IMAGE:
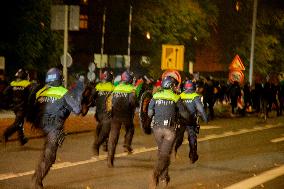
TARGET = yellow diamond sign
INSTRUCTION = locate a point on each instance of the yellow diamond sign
(172, 57)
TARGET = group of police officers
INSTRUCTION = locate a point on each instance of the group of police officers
(170, 111)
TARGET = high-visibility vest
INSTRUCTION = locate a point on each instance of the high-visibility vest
(166, 94)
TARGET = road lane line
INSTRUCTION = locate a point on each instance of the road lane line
(62, 165)
(277, 140)
(258, 180)
(205, 127)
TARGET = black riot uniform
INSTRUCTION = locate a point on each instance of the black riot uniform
(164, 108)
(192, 101)
(20, 91)
(122, 112)
(102, 90)
(54, 103)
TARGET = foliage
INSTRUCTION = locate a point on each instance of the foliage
(174, 22)
(235, 33)
(31, 44)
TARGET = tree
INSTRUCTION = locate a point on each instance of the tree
(28, 41)
(174, 22)
(234, 28)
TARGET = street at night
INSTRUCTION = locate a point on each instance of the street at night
(234, 153)
(152, 94)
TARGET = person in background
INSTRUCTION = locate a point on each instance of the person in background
(123, 104)
(193, 103)
(103, 89)
(19, 92)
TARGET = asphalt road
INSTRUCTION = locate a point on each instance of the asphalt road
(234, 153)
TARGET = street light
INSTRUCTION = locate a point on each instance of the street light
(148, 36)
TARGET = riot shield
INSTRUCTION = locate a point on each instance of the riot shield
(145, 121)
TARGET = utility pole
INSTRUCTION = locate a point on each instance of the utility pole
(102, 41)
(252, 41)
(65, 47)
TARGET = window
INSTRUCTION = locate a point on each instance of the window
(83, 21)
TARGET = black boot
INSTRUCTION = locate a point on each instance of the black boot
(127, 149)
(193, 156)
(110, 162)
(105, 146)
(153, 182)
(164, 182)
(36, 183)
(24, 141)
(96, 150)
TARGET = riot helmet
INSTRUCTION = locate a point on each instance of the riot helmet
(106, 76)
(127, 77)
(189, 86)
(53, 77)
(169, 82)
(22, 74)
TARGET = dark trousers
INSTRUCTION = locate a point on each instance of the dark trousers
(192, 138)
(48, 155)
(165, 138)
(116, 124)
(17, 126)
(102, 132)
(209, 107)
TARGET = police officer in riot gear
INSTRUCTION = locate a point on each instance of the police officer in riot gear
(54, 103)
(102, 90)
(123, 108)
(20, 91)
(192, 100)
(164, 108)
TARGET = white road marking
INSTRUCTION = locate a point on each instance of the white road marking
(205, 127)
(258, 180)
(62, 165)
(277, 140)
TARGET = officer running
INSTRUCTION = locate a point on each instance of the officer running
(163, 109)
(123, 105)
(192, 100)
(20, 91)
(102, 90)
(54, 104)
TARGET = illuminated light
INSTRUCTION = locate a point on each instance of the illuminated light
(237, 6)
(148, 36)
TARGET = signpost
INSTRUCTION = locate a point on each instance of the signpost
(172, 57)
(59, 21)
(236, 68)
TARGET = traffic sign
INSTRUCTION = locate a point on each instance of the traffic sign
(236, 75)
(92, 67)
(237, 64)
(172, 57)
(91, 76)
(69, 60)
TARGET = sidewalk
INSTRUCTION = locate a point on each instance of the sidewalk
(74, 124)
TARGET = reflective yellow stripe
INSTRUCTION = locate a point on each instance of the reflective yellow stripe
(23, 83)
(105, 86)
(189, 96)
(56, 92)
(124, 88)
(166, 95)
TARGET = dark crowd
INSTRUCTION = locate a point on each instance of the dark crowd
(167, 107)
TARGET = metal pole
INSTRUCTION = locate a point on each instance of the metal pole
(129, 34)
(252, 41)
(65, 47)
(103, 40)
